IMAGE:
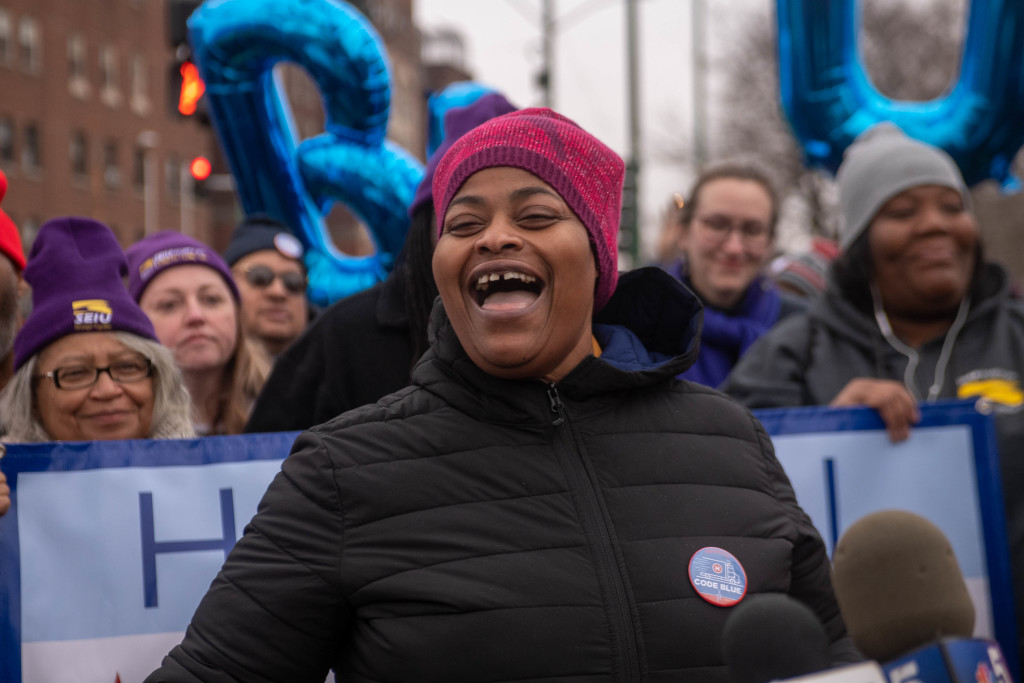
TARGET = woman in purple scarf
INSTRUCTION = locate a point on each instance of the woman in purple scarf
(726, 234)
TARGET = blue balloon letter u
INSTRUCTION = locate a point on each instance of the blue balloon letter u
(829, 98)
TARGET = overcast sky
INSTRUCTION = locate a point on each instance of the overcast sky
(503, 50)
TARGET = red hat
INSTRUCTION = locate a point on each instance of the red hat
(10, 240)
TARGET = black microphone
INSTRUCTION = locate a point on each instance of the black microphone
(773, 636)
(905, 602)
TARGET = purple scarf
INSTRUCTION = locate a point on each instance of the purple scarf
(727, 335)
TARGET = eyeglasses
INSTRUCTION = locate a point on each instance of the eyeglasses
(82, 376)
(262, 277)
(721, 227)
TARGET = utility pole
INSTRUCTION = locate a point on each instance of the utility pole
(631, 188)
(548, 52)
(700, 150)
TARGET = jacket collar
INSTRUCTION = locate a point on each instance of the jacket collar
(858, 327)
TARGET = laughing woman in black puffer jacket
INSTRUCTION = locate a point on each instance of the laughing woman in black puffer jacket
(545, 501)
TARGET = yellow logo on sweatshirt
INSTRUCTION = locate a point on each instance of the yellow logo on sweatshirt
(1005, 391)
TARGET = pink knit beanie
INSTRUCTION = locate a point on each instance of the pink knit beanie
(585, 172)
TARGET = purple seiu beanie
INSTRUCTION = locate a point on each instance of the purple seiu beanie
(457, 122)
(152, 255)
(583, 170)
(76, 269)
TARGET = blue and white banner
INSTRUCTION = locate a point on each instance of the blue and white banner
(109, 546)
(843, 467)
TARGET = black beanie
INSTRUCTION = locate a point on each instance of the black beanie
(259, 232)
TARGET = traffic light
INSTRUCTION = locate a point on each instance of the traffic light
(192, 88)
(185, 86)
(185, 90)
(200, 168)
(178, 12)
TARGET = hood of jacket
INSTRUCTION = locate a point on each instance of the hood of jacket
(858, 327)
(649, 332)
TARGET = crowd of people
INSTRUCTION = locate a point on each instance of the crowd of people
(543, 441)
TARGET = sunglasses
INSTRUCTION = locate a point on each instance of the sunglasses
(262, 277)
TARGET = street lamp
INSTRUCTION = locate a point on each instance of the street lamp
(148, 140)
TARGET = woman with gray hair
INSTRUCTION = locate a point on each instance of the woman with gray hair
(87, 363)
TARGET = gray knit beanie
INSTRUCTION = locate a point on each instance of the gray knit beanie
(881, 163)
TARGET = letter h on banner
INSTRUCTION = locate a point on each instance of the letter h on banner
(151, 547)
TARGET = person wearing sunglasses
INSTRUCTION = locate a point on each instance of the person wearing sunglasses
(186, 289)
(266, 261)
(726, 234)
(87, 362)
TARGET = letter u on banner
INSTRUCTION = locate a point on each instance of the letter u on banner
(829, 98)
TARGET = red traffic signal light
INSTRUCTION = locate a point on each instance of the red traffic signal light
(200, 168)
(192, 88)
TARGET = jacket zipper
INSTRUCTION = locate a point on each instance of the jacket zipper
(624, 621)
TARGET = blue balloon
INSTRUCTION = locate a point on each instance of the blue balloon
(236, 44)
(829, 98)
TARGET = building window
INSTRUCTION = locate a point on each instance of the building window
(5, 37)
(30, 45)
(31, 160)
(108, 67)
(6, 140)
(140, 86)
(29, 230)
(78, 150)
(172, 177)
(110, 93)
(111, 169)
(76, 56)
(78, 79)
(139, 168)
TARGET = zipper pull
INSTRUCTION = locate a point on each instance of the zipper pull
(556, 404)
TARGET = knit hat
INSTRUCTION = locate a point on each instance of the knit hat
(583, 170)
(881, 163)
(76, 270)
(10, 240)
(152, 255)
(806, 272)
(260, 232)
(457, 122)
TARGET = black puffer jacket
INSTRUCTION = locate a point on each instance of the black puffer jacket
(357, 350)
(470, 528)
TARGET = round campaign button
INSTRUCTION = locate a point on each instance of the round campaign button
(288, 244)
(717, 576)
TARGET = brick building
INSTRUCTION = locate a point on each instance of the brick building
(85, 123)
(88, 123)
